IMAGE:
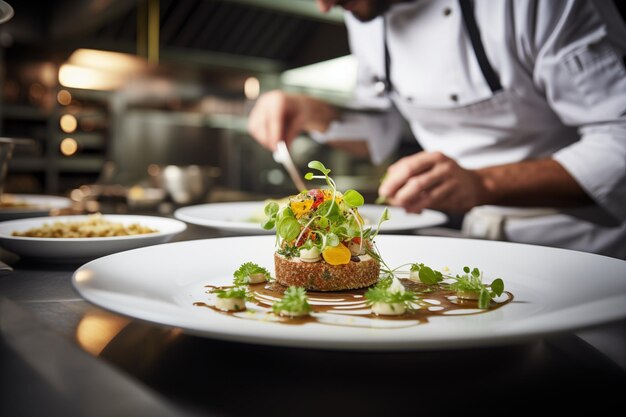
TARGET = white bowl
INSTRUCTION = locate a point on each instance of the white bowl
(79, 249)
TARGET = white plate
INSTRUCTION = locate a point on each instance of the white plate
(238, 217)
(39, 205)
(555, 290)
(76, 249)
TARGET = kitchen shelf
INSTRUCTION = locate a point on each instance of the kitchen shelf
(27, 164)
(86, 164)
(86, 141)
(24, 112)
(46, 163)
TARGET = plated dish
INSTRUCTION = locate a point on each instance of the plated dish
(246, 217)
(70, 249)
(18, 206)
(559, 291)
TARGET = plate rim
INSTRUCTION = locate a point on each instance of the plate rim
(67, 202)
(248, 226)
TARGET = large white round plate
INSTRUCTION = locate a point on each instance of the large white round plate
(554, 291)
(77, 249)
(246, 217)
(36, 205)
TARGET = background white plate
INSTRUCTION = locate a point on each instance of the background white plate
(76, 249)
(238, 217)
(555, 291)
(41, 206)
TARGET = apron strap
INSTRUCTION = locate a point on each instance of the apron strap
(467, 10)
(387, 81)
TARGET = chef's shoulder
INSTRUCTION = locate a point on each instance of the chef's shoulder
(559, 27)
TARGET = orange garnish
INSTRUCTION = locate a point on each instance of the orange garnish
(337, 255)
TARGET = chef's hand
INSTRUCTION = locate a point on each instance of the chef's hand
(431, 180)
(280, 116)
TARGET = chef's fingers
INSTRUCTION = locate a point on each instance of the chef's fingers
(275, 124)
(438, 197)
(293, 128)
(419, 183)
(256, 124)
(399, 173)
(266, 122)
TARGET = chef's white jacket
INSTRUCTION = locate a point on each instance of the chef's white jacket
(562, 71)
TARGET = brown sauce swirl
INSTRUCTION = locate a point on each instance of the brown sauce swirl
(349, 308)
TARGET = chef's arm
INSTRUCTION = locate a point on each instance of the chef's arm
(434, 180)
(579, 65)
(543, 182)
(282, 116)
(279, 116)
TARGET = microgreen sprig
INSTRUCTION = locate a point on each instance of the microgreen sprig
(242, 275)
(234, 292)
(294, 302)
(382, 292)
(470, 282)
(333, 221)
(426, 274)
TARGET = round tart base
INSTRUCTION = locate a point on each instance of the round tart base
(321, 276)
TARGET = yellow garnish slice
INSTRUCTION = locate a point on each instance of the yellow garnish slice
(337, 255)
(300, 208)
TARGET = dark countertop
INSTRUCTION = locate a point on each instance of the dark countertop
(60, 355)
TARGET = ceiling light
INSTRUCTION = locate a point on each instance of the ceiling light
(99, 70)
(335, 75)
(68, 146)
(68, 123)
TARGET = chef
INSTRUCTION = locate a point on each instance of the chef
(519, 105)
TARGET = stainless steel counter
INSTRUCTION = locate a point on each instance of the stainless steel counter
(60, 355)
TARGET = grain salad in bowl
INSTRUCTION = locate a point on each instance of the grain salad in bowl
(94, 225)
(82, 237)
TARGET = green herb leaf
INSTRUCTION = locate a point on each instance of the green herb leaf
(288, 228)
(242, 275)
(353, 198)
(234, 292)
(308, 176)
(484, 298)
(330, 209)
(289, 251)
(385, 281)
(383, 217)
(271, 209)
(332, 239)
(378, 294)
(284, 213)
(497, 286)
(294, 301)
(319, 166)
(429, 276)
(269, 224)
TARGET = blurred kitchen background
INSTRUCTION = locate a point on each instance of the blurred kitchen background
(118, 93)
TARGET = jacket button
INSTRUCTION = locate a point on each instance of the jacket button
(454, 97)
(380, 88)
(447, 11)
